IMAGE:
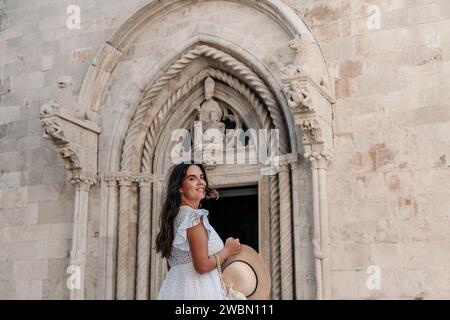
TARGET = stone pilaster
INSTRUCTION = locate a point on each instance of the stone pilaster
(310, 100)
(79, 238)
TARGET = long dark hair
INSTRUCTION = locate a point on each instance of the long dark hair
(171, 205)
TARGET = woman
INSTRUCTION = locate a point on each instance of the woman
(187, 239)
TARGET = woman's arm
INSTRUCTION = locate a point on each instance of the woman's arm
(198, 243)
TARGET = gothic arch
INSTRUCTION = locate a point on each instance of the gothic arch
(293, 96)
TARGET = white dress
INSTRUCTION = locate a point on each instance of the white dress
(183, 282)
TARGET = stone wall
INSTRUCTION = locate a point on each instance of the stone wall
(36, 201)
(389, 182)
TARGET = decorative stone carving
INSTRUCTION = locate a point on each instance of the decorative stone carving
(71, 129)
(311, 132)
(246, 74)
(321, 159)
(298, 97)
(88, 180)
(300, 66)
(49, 107)
(211, 116)
(52, 130)
(70, 158)
(210, 110)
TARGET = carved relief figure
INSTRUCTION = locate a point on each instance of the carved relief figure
(298, 97)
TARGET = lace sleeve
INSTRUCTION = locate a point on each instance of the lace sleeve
(189, 218)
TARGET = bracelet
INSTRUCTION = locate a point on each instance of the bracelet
(219, 270)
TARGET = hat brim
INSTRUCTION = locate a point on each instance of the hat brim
(263, 281)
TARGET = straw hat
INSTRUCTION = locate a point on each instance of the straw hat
(247, 273)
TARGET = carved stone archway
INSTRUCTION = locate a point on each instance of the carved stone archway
(295, 99)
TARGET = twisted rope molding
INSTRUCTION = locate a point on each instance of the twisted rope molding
(144, 245)
(287, 276)
(275, 257)
(246, 73)
(158, 121)
(123, 250)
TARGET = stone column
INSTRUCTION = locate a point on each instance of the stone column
(316, 218)
(322, 167)
(158, 264)
(144, 240)
(126, 256)
(79, 238)
(287, 276)
(321, 243)
(111, 237)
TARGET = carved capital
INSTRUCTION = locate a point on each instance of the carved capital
(111, 181)
(319, 160)
(144, 181)
(83, 181)
(125, 180)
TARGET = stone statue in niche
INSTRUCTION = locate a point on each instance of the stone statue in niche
(210, 111)
(210, 116)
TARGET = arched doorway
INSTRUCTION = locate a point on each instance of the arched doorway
(149, 80)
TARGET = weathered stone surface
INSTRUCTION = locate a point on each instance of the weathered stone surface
(388, 183)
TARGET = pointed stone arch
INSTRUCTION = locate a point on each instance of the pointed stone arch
(294, 96)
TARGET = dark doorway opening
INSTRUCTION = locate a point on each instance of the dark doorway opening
(235, 214)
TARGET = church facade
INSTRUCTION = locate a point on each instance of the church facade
(323, 124)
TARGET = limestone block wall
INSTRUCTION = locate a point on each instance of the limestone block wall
(36, 200)
(389, 183)
(390, 179)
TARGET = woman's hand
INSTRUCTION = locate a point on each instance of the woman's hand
(233, 246)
